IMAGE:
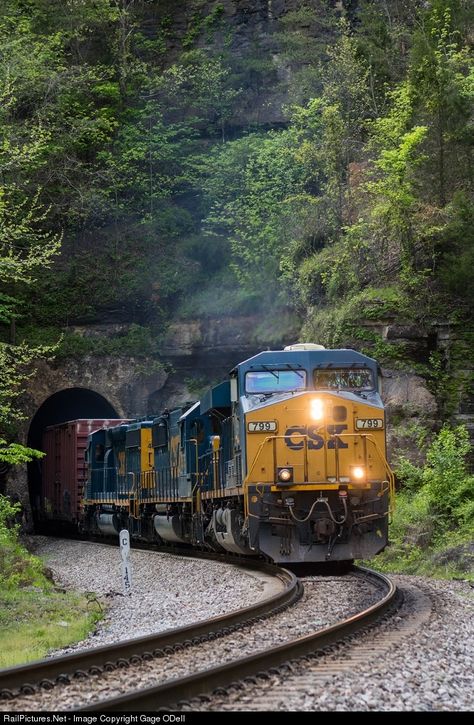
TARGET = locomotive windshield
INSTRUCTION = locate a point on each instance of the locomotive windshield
(275, 381)
(343, 379)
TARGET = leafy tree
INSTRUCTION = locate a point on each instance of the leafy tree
(253, 182)
(442, 77)
(26, 248)
(154, 159)
(393, 191)
(384, 37)
(302, 37)
(444, 481)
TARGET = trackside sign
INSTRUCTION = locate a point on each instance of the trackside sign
(124, 538)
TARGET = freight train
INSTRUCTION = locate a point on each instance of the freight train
(286, 460)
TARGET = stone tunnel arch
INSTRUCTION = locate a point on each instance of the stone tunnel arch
(68, 404)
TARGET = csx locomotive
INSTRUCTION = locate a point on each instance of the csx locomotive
(286, 459)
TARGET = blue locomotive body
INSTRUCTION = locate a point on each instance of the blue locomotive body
(285, 459)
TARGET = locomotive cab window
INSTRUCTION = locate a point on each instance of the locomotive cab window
(343, 379)
(275, 381)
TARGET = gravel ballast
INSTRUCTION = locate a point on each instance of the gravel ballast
(168, 591)
(326, 600)
(428, 670)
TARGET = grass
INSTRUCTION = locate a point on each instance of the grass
(448, 556)
(35, 616)
(420, 562)
(34, 621)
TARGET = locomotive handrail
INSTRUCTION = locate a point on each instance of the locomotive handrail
(260, 448)
(362, 436)
(388, 470)
(132, 496)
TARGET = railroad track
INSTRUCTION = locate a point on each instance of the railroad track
(46, 674)
(238, 673)
(339, 677)
(125, 658)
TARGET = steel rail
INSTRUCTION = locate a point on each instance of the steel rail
(25, 679)
(167, 695)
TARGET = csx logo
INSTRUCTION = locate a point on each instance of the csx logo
(295, 441)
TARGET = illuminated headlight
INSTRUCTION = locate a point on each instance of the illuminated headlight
(358, 473)
(317, 409)
(285, 475)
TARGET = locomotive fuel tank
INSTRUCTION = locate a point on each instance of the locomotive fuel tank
(169, 528)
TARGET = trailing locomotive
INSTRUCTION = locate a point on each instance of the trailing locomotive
(286, 459)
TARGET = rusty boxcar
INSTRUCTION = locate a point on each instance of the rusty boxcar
(64, 467)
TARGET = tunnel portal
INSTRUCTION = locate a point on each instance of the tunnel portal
(65, 405)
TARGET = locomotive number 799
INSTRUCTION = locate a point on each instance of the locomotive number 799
(262, 426)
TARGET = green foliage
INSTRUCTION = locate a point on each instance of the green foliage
(17, 567)
(392, 192)
(331, 176)
(441, 73)
(252, 181)
(124, 146)
(199, 24)
(450, 487)
(135, 340)
(16, 367)
(435, 508)
(349, 322)
(33, 616)
(302, 35)
(35, 620)
(457, 249)
(14, 453)
(222, 298)
(384, 40)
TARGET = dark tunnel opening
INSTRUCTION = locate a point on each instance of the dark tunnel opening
(70, 404)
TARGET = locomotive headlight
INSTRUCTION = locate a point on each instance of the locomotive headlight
(285, 475)
(358, 473)
(317, 409)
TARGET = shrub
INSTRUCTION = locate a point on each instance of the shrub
(450, 487)
(434, 516)
(18, 568)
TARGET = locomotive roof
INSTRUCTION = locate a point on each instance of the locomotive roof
(306, 359)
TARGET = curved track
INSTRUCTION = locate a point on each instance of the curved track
(26, 679)
(236, 673)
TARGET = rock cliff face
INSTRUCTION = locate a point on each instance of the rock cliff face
(252, 32)
(196, 353)
(415, 402)
(409, 406)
